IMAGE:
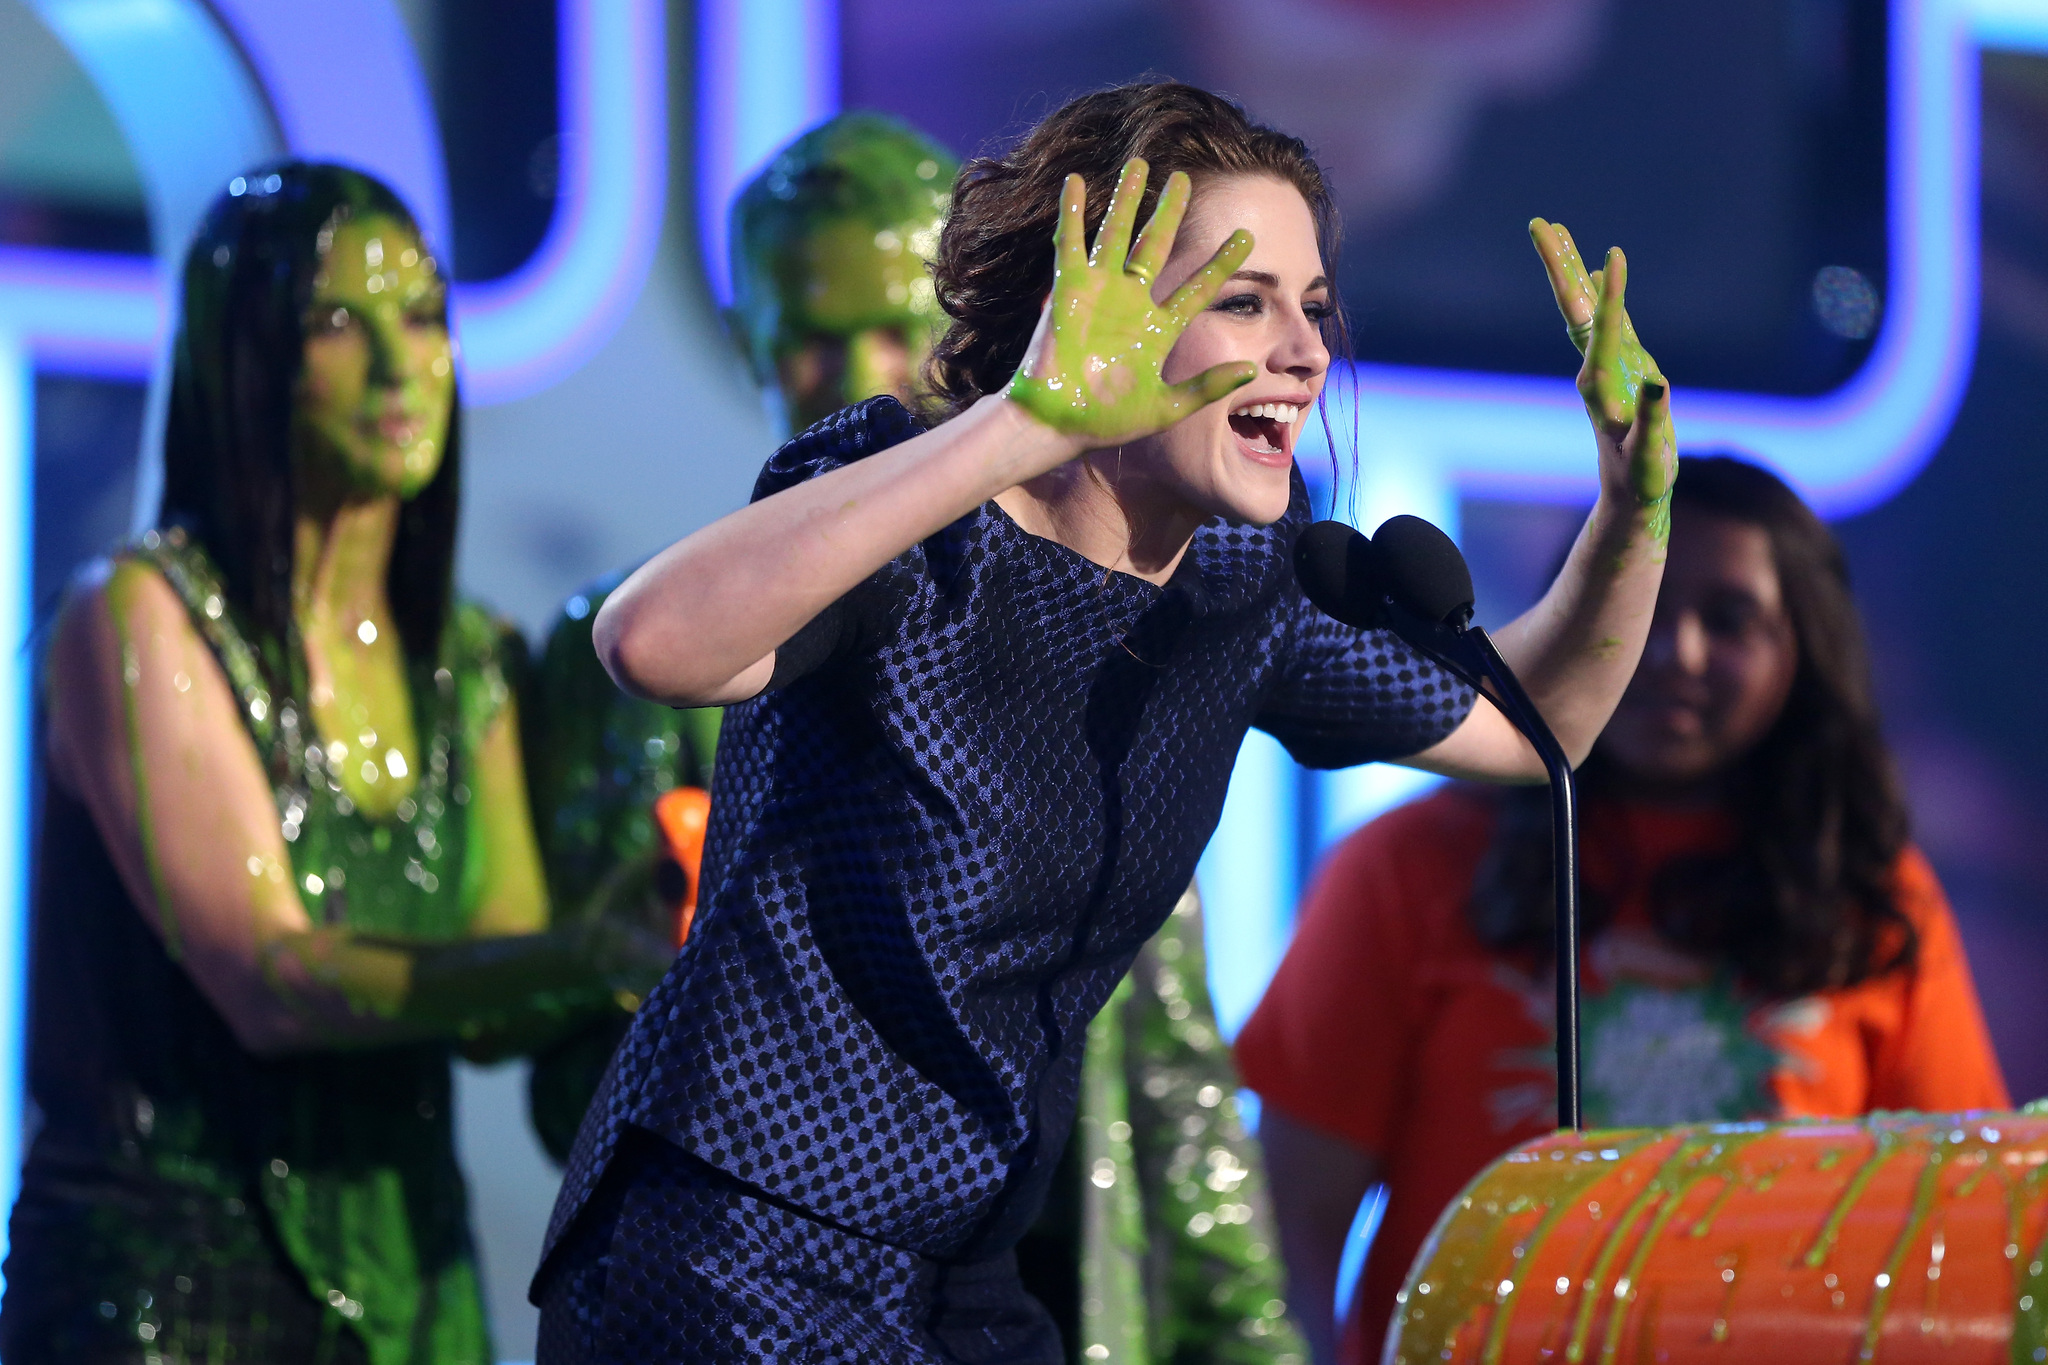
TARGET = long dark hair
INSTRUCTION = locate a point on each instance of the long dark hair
(995, 258)
(1804, 901)
(228, 477)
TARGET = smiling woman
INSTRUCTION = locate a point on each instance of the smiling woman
(988, 677)
(379, 376)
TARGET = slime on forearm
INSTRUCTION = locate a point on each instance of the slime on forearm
(460, 989)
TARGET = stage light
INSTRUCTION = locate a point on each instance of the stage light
(2011, 25)
(193, 114)
(17, 682)
(82, 312)
(766, 71)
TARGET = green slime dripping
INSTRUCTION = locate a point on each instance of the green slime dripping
(1617, 374)
(1097, 374)
(1830, 1230)
(831, 250)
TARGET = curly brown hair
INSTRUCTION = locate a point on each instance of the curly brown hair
(995, 259)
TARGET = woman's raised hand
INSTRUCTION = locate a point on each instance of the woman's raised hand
(1093, 367)
(1625, 393)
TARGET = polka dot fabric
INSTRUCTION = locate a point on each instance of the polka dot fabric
(674, 1261)
(978, 785)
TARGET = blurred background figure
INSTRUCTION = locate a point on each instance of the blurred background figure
(1762, 939)
(832, 305)
(287, 864)
(832, 297)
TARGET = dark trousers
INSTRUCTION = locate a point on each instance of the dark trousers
(675, 1261)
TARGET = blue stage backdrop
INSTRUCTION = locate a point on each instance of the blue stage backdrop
(1811, 192)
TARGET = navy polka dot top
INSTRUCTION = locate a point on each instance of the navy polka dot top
(975, 787)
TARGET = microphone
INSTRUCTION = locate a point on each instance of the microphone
(1410, 578)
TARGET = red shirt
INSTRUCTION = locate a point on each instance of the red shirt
(1390, 1025)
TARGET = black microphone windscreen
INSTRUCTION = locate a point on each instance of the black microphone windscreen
(1335, 566)
(1423, 570)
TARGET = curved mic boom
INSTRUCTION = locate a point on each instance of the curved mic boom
(1410, 578)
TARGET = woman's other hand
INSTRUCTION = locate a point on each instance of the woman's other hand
(1092, 371)
(1576, 649)
(1625, 393)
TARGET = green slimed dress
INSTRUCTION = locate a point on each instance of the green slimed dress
(187, 1201)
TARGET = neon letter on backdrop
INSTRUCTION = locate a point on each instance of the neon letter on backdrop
(162, 68)
(766, 71)
(521, 333)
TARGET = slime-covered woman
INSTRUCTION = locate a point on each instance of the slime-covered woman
(287, 862)
(1156, 1228)
(985, 683)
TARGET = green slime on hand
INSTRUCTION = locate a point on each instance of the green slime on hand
(1094, 372)
(1617, 375)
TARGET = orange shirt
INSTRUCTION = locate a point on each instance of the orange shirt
(1390, 1025)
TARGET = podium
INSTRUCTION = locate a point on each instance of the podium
(1898, 1238)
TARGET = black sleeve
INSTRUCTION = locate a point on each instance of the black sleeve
(1346, 696)
(868, 616)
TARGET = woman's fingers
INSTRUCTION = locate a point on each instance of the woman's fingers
(1651, 447)
(1113, 238)
(1614, 275)
(1650, 436)
(1611, 312)
(1205, 284)
(1214, 383)
(1070, 251)
(1571, 249)
(1567, 273)
(1155, 243)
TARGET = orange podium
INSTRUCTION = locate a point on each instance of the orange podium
(1898, 1238)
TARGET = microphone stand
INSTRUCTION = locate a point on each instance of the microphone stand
(1468, 652)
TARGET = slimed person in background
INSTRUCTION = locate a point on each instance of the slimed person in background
(287, 866)
(832, 304)
(1762, 940)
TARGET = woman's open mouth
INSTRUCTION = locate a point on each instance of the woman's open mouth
(1265, 431)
